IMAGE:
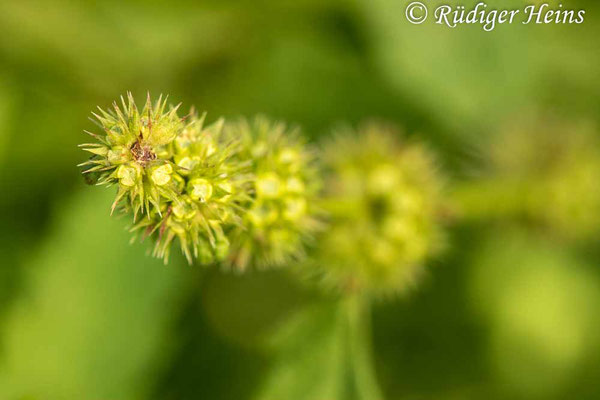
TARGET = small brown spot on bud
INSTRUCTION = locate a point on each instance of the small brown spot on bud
(142, 153)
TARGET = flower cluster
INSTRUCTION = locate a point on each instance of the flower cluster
(281, 214)
(202, 184)
(212, 184)
(383, 199)
(134, 152)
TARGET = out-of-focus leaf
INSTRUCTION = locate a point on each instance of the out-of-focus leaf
(541, 303)
(243, 309)
(323, 352)
(468, 78)
(90, 322)
(104, 45)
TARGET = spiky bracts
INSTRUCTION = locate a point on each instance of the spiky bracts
(282, 213)
(133, 153)
(383, 198)
(213, 187)
(178, 177)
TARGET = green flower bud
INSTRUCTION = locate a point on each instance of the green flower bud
(383, 198)
(186, 164)
(161, 175)
(184, 209)
(128, 175)
(281, 213)
(268, 186)
(200, 189)
(295, 185)
(263, 214)
(294, 208)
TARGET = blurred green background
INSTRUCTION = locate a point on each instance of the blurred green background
(507, 312)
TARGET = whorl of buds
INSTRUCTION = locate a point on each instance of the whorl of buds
(281, 214)
(383, 198)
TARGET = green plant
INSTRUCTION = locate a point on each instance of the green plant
(253, 193)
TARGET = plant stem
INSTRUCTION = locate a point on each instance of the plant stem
(494, 198)
(360, 358)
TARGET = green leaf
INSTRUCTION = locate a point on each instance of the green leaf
(93, 313)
